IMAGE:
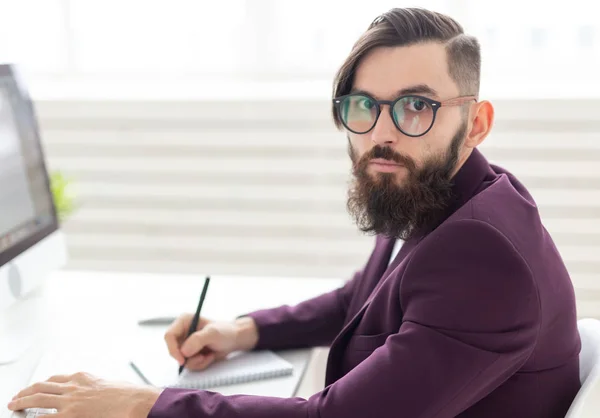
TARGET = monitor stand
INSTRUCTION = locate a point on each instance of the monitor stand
(23, 313)
(21, 323)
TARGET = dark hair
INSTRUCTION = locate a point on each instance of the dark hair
(408, 26)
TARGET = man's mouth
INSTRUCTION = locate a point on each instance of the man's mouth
(383, 165)
(383, 161)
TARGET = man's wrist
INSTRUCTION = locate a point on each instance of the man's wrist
(143, 401)
(246, 333)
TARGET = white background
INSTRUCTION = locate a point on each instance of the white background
(199, 139)
(235, 48)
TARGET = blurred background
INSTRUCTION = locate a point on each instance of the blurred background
(196, 136)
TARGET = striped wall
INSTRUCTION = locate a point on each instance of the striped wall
(259, 187)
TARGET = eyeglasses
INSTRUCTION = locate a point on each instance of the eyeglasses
(413, 115)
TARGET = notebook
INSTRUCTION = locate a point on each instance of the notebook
(239, 367)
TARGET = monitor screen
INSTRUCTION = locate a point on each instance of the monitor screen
(27, 212)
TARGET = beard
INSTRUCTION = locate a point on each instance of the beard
(379, 205)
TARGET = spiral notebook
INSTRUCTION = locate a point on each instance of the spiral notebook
(239, 367)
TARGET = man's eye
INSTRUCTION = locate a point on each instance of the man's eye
(366, 104)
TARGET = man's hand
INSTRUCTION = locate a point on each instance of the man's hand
(211, 341)
(84, 396)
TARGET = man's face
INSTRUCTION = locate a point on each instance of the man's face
(402, 183)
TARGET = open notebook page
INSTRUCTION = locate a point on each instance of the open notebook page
(239, 367)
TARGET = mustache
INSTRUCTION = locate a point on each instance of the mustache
(388, 154)
(379, 205)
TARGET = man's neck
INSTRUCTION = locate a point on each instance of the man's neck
(462, 158)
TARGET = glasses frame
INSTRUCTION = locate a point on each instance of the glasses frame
(435, 105)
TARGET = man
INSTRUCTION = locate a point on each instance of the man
(474, 316)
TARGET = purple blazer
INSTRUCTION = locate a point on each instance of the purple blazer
(476, 319)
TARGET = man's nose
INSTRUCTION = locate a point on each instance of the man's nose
(384, 132)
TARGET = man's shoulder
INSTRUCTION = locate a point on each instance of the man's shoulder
(506, 205)
(503, 215)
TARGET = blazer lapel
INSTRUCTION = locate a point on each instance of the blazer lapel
(406, 248)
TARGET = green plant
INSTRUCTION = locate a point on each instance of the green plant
(62, 193)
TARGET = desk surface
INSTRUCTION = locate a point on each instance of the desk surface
(90, 318)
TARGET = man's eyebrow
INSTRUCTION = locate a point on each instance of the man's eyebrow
(416, 89)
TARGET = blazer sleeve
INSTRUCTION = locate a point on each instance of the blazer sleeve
(471, 319)
(314, 322)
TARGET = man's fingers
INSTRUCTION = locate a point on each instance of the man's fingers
(178, 327)
(60, 378)
(43, 387)
(174, 334)
(196, 342)
(177, 333)
(173, 347)
(200, 362)
(38, 400)
(202, 322)
(82, 377)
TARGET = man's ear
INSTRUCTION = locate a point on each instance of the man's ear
(482, 119)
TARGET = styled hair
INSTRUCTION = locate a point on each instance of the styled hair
(410, 26)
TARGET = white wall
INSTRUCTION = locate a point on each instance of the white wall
(259, 187)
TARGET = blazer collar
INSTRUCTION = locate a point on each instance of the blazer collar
(466, 183)
(468, 180)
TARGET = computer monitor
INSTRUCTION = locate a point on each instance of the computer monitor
(31, 244)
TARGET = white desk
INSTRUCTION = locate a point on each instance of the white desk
(90, 318)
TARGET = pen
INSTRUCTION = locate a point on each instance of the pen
(159, 320)
(139, 373)
(196, 318)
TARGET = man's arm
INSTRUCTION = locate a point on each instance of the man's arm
(470, 321)
(314, 322)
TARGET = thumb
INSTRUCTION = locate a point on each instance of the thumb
(196, 342)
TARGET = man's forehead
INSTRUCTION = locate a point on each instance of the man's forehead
(388, 71)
